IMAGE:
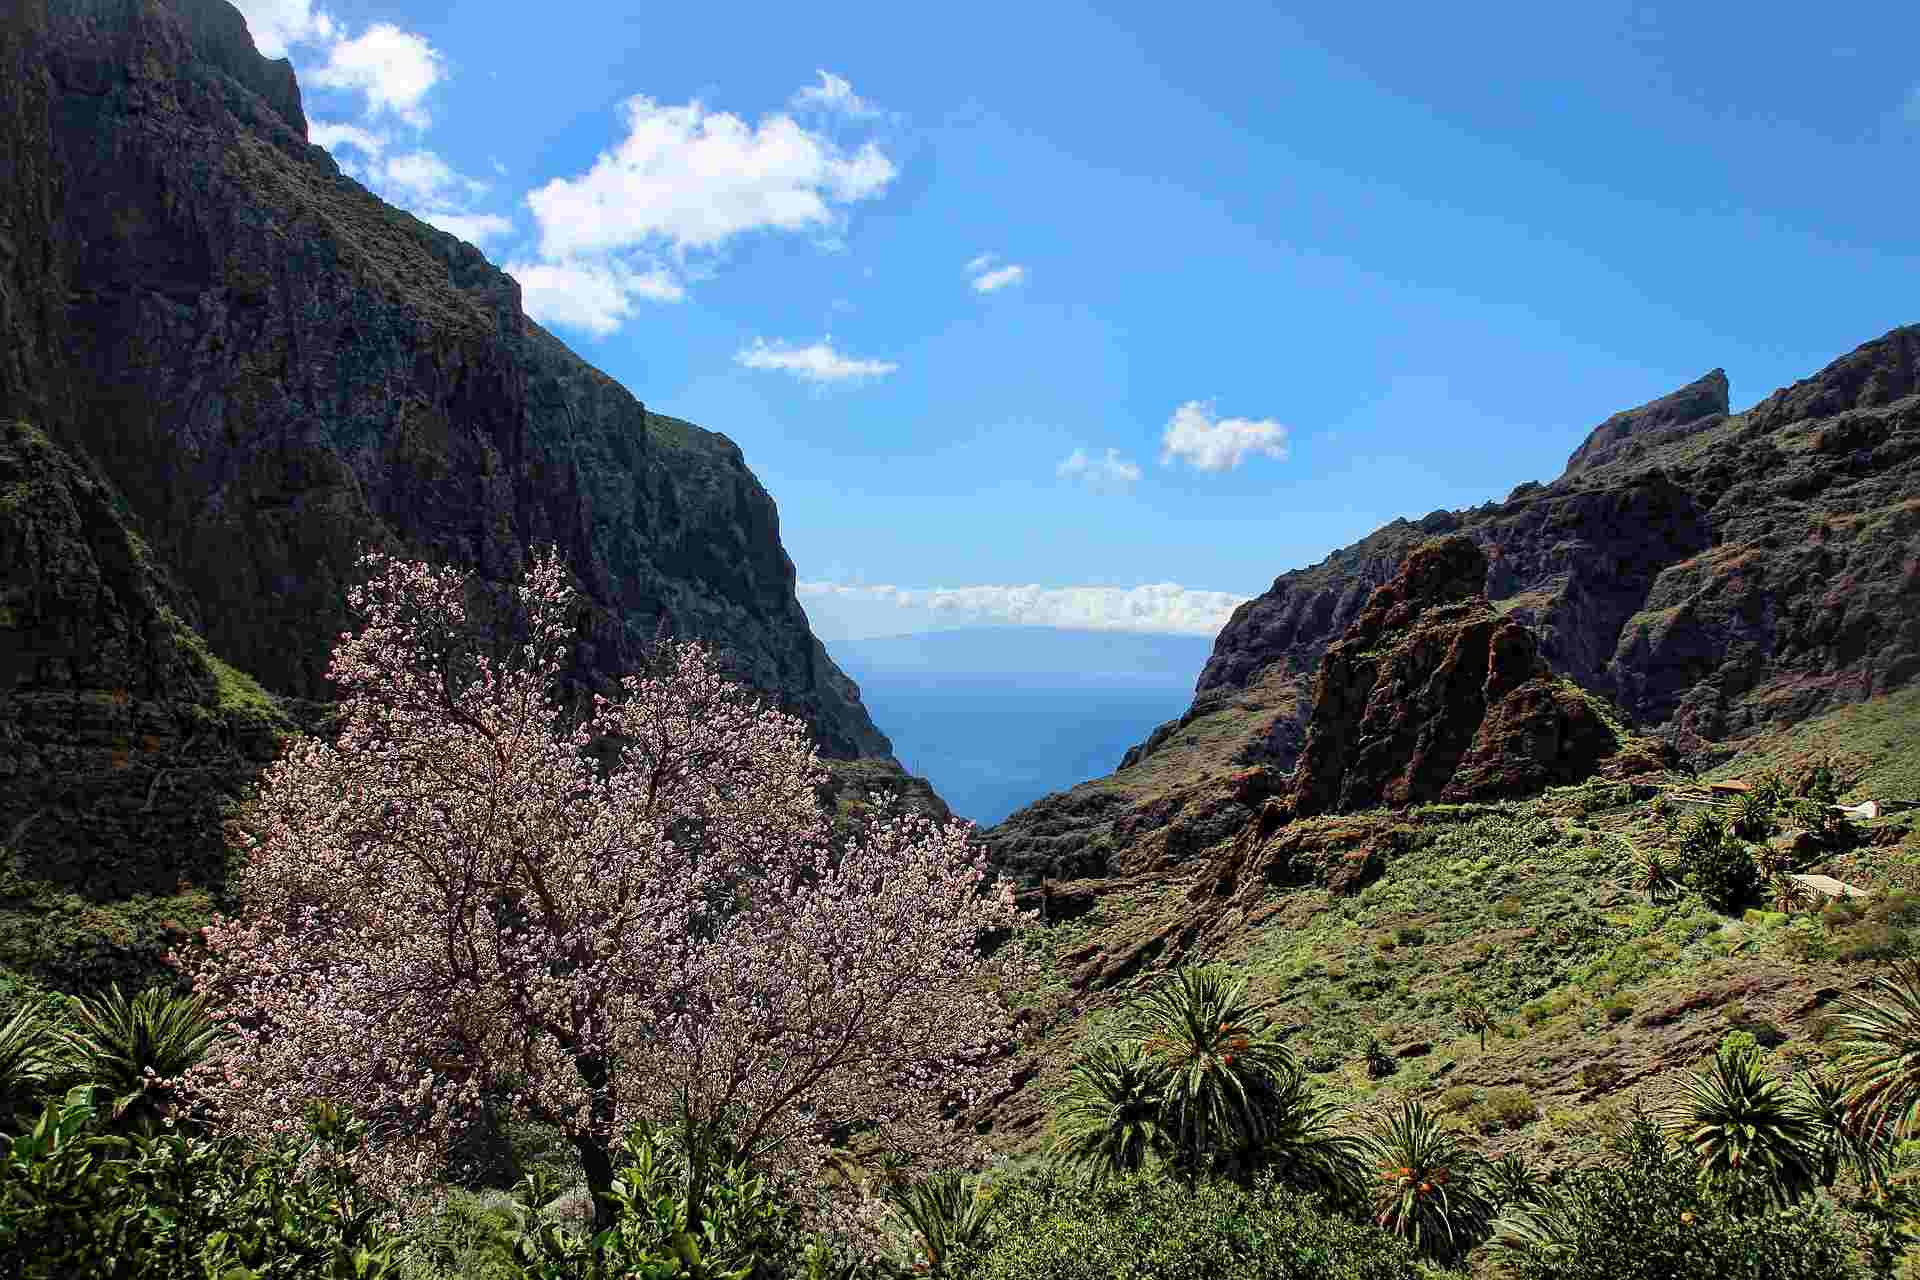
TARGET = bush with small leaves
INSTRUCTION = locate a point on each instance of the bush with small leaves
(1145, 1227)
(79, 1200)
(1645, 1214)
(1601, 1077)
(1717, 863)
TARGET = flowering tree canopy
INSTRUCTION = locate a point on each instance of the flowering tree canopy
(453, 903)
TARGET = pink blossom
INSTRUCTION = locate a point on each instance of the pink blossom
(452, 893)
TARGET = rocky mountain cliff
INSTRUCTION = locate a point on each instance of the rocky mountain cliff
(230, 367)
(1710, 574)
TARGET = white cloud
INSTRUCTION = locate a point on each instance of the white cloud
(474, 228)
(424, 176)
(987, 277)
(278, 24)
(691, 179)
(999, 278)
(1219, 444)
(819, 363)
(834, 93)
(594, 296)
(1163, 607)
(1111, 474)
(394, 69)
(335, 136)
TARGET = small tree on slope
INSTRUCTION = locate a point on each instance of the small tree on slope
(451, 904)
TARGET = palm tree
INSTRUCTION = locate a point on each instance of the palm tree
(1753, 816)
(1879, 1042)
(1841, 1139)
(29, 1061)
(1750, 1133)
(1658, 876)
(1474, 1015)
(1218, 1057)
(946, 1211)
(1299, 1140)
(1428, 1190)
(129, 1045)
(1512, 1181)
(1789, 894)
(1109, 1117)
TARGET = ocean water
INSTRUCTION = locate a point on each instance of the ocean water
(996, 718)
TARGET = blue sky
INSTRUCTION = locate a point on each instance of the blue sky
(1105, 316)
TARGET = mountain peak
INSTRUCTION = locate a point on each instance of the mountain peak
(1704, 397)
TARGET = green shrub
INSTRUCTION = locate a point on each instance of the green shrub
(1646, 1215)
(1601, 1077)
(1049, 1227)
(1509, 1108)
(1509, 908)
(1410, 935)
(76, 1200)
(1870, 941)
(1717, 863)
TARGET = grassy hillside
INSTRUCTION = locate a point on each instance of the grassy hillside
(1599, 995)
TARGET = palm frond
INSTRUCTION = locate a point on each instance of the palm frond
(946, 1211)
(1427, 1188)
(1108, 1120)
(1879, 1042)
(124, 1045)
(1751, 1134)
(1218, 1055)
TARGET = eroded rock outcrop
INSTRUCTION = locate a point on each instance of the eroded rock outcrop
(1432, 695)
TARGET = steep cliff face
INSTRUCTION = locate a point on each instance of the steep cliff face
(273, 366)
(225, 369)
(1710, 574)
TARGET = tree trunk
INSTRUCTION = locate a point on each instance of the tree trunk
(596, 1145)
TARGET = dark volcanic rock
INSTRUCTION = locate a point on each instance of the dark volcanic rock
(274, 368)
(1431, 695)
(121, 738)
(1677, 412)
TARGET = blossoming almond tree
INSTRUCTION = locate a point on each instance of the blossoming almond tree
(452, 902)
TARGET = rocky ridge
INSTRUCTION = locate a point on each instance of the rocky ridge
(1709, 574)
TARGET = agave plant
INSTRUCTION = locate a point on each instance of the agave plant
(1426, 1189)
(1109, 1117)
(1751, 1134)
(946, 1211)
(1217, 1056)
(125, 1045)
(1879, 1042)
